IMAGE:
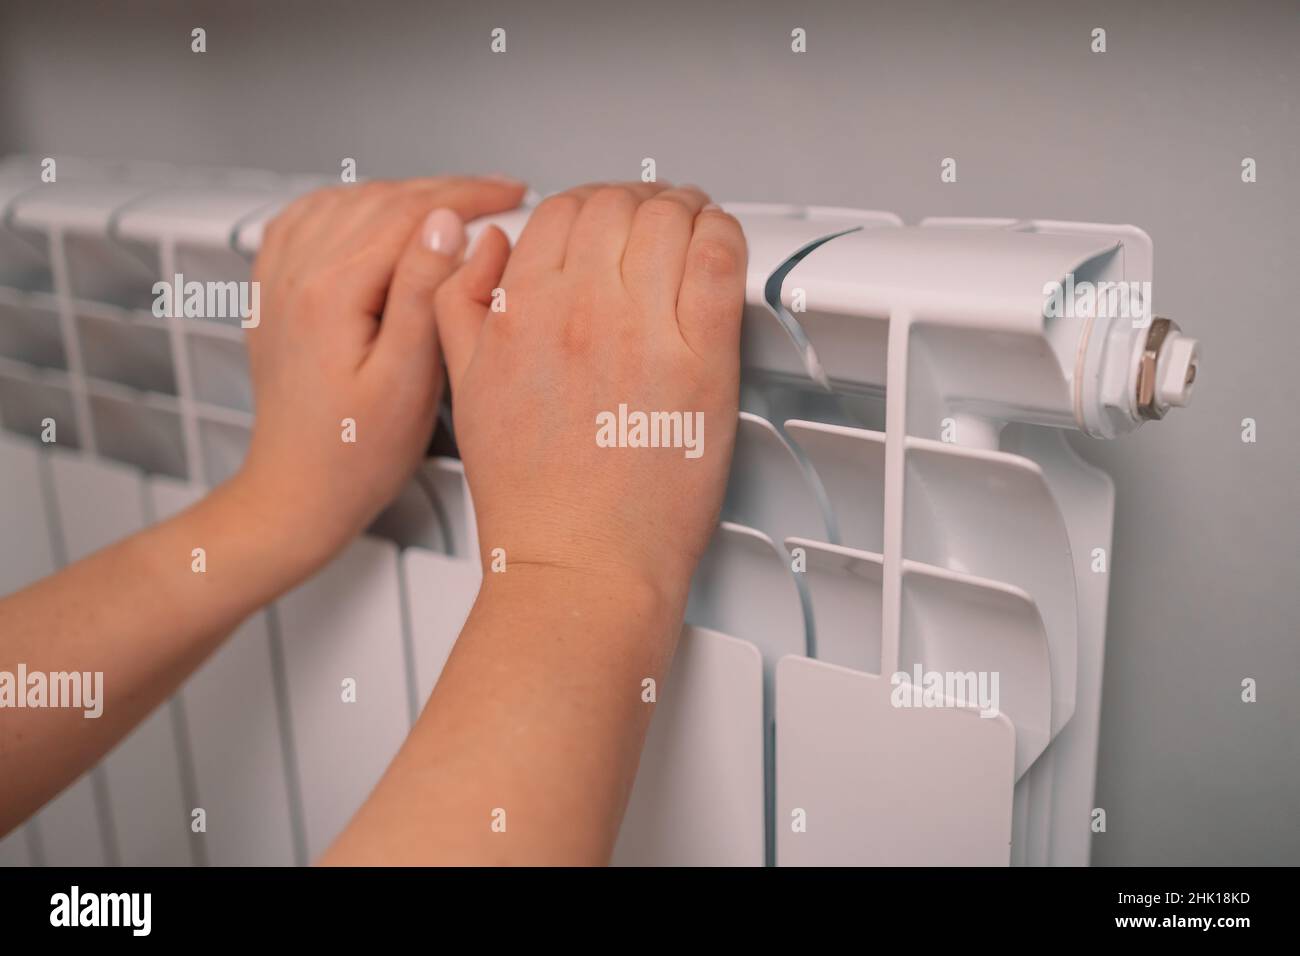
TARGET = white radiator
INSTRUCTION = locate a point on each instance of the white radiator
(903, 500)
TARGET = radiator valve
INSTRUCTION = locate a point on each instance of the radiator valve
(1166, 370)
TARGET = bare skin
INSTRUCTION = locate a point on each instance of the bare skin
(622, 294)
(627, 294)
(331, 263)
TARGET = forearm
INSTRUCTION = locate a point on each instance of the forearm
(140, 614)
(539, 713)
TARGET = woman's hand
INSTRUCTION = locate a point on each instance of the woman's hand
(619, 301)
(345, 361)
(615, 296)
(135, 612)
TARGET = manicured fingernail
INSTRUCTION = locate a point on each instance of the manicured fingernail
(443, 232)
(505, 180)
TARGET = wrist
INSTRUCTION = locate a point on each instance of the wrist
(586, 593)
(293, 537)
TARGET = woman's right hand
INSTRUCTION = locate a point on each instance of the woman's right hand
(616, 295)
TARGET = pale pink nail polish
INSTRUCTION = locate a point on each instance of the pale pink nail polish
(443, 232)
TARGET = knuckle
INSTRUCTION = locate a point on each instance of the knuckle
(724, 222)
(611, 195)
(716, 258)
(563, 204)
(661, 211)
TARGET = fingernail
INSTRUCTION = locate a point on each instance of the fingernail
(504, 179)
(712, 207)
(443, 232)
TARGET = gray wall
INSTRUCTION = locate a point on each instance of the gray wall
(1152, 132)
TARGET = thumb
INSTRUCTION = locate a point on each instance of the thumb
(408, 332)
(463, 300)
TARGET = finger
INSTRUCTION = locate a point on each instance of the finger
(363, 204)
(644, 191)
(408, 338)
(712, 296)
(600, 231)
(359, 196)
(541, 245)
(400, 205)
(364, 267)
(472, 198)
(656, 249)
(462, 302)
(324, 225)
